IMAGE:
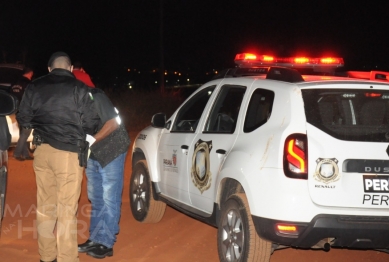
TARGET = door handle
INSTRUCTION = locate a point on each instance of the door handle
(184, 149)
(221, 151)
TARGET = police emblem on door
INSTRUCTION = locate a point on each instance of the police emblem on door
(200, 171)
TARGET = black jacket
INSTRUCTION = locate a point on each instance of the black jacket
(60, 109)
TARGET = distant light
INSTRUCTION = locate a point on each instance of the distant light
(179, 74)
(216, 72)
(165, 73)
(166, 81)
(138, 72)
(187, 79)
(156, 82)
(128, 70)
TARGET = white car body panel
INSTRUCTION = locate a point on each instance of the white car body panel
(255, 159)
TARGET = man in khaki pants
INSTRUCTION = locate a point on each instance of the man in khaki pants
(60, 109)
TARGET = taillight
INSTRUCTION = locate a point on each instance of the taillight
(296, 156)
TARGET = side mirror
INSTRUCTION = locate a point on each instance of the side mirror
(8, 103)
(158, 120)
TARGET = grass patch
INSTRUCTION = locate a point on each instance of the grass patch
(137, 107)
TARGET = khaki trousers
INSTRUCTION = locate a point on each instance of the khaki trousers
(58, 179)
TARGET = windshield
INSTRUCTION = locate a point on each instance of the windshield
(349, 114)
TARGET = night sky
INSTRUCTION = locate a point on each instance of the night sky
(107, 36)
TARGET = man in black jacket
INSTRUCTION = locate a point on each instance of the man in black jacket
(60, 109)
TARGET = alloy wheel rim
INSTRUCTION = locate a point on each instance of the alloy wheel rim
(232, 235)
(139, 193)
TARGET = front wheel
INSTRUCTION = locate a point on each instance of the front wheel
(144, 207)
(237, 240)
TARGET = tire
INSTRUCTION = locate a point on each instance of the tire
(143, 206)
(237, 239)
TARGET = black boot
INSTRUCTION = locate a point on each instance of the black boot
(88, 245)
(100, 251)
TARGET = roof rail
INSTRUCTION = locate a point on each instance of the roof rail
(274, 72)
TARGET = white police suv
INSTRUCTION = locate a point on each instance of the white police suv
(273, 158)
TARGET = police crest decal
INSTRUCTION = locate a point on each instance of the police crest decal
(200, 171)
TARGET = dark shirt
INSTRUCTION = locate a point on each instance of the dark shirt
(104, 107)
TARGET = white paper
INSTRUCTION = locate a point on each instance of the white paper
(90, 139)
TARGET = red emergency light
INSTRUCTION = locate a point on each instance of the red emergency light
(252, 59)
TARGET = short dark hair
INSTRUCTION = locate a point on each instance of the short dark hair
(64, 57)
(77, 64)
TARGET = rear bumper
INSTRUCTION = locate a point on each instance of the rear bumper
(365, 232)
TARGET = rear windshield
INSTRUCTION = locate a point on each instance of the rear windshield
(349, 114)
(9, 75)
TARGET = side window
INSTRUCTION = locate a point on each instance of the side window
(190, 113)
(225, 111)
(259, 109)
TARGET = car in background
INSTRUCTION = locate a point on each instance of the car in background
(273, 158)
(8, 105)
(10, 73)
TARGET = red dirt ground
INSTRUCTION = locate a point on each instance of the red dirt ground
(175, 238)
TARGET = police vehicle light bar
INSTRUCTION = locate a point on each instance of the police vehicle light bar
(252, 59)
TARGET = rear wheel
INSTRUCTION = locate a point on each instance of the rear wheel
(144, 207)
(237, 239)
